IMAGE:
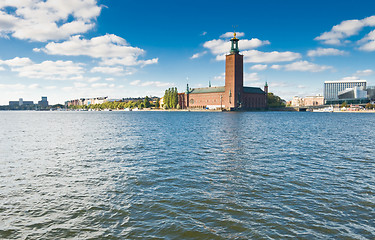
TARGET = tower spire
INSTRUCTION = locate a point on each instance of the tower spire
(234, 45)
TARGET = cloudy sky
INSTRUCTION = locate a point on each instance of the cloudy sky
(67, 49)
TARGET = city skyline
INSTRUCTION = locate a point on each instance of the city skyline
(72, 49)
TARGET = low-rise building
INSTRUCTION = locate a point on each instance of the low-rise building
(308, 101)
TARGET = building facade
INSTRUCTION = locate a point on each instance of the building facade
(43, 103)
(232, 96)
(353, 93)
(332, 88)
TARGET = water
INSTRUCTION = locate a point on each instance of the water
(185, 175)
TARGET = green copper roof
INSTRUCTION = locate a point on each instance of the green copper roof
(253, 90)
(208, 90)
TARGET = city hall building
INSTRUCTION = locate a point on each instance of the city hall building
(232, 96)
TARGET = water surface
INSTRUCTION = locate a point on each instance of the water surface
(186, 175)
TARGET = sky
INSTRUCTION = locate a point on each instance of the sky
(69, 49)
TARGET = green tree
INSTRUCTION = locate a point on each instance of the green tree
(344, 104)
(157, 104)
(274, 101)
(175, 98)
(146, 102)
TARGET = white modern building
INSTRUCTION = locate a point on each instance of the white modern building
(332, 88)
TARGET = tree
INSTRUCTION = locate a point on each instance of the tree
(146, 102)
(369, 106)
(274, 101)
(175, 98)
(344, 105)
(157, 105)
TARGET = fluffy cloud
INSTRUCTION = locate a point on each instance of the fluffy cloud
(255, 56)
(150, 84)
(58, 70)
(259, 67)
(251, 77)
(111, 49)
(230, 34)
(17, 86)
(102, 85)
(345, 30)
(41, 20)
(220, 46)
(108, 70)
(198, 55)
(305, 66)
(368, 42)
(325, 52)
(364, 72)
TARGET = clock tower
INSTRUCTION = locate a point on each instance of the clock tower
(234, 76)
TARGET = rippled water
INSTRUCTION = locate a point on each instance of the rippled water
(186, 175)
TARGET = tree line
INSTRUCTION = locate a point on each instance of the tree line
(120, 105)
(170, 100)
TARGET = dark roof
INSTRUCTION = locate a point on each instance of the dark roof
(253, 90)
(208, 90)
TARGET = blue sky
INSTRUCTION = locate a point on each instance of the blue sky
(67, 49)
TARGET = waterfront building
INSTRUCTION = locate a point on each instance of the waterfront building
(20, 103)
(43, 103)
(332, 88)
(232, 96)
(353, 93)
(308, 101)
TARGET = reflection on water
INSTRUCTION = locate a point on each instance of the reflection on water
(185, 175)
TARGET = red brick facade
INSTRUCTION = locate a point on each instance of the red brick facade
(232, 96)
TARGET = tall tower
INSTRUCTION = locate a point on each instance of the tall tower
(233, 75)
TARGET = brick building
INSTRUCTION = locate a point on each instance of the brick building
(232, 96)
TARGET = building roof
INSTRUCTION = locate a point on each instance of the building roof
(253, 90)
(208, 90)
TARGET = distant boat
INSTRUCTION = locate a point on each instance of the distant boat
(127, 109)
(328, 109)
(135, 109)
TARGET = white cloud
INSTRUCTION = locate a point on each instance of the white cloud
(345, 30)
(231, 34)
(259, 67)
(221, 77)
(108, 70)
(2, 69)
(110, 79)
(255, 56)
(198, 55)
(151, 84)
(40, 20)
(350, 78)
(100, 85)
(364, 72)
(251, 77)
(135, 82)
(17, 86)
(204, 34)
(325, 52)
(50, 87)
(220, 46)
(111, 49)
(80, 85)
(58, 70)
(276, 67)
(34, 86)
(16, 62)
(305, 66)
(93, 79)
(368, 42)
